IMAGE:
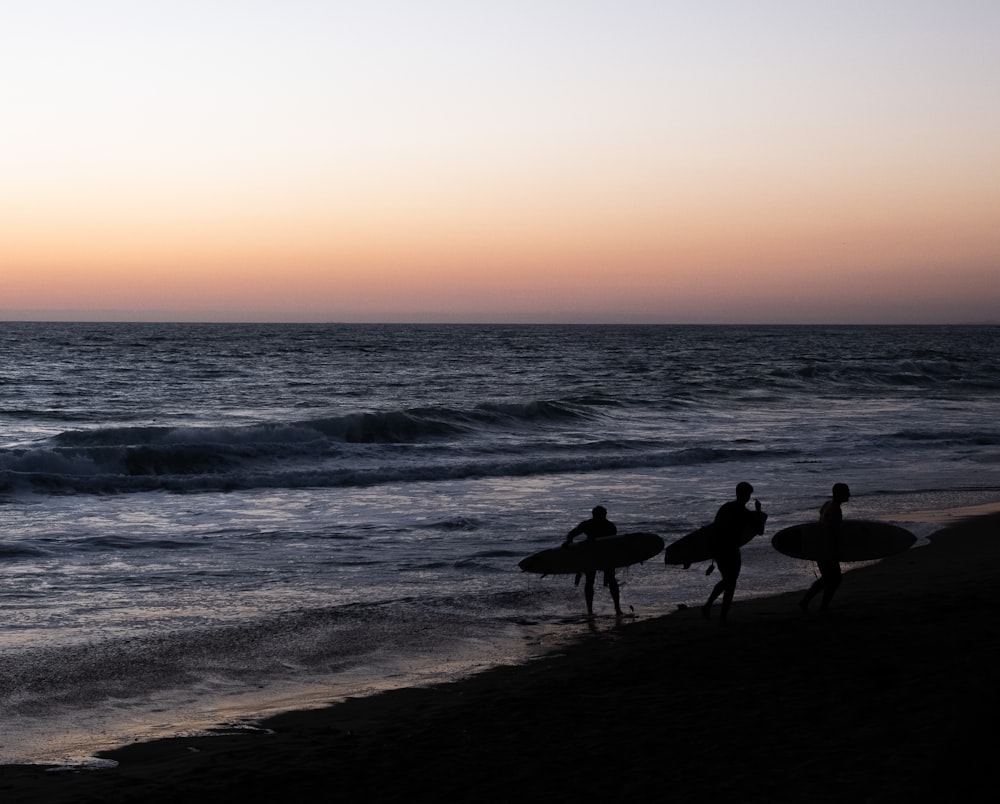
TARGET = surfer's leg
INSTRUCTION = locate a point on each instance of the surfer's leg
(831, 582)
(588, 591)
(719, 589)
(827, 583)
(727, 597)
(706, 610)
(811, 592)
(730, 569)
(727, 601)
(612, 583)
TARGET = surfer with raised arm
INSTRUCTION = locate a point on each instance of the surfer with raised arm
(732, 521)
(597, 527)
(829, 568)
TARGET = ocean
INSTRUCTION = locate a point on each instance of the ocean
(204, 524)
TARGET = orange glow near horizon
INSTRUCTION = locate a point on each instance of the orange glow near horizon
(629, 179)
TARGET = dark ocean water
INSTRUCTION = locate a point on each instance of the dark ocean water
(204, 522)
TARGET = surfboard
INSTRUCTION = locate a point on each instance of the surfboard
(857, 540)
(700, 544)
(594, 554)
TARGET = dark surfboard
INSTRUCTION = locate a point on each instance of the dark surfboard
(594, 554)
(700, 544)
(855, 540)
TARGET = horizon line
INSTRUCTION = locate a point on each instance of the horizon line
(489, 323)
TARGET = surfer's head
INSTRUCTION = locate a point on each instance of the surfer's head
(599, 512)
(743, 491)
(841, 493)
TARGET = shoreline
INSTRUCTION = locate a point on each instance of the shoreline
(882, 698)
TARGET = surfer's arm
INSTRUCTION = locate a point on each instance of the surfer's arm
(573, 534)
(721, 516)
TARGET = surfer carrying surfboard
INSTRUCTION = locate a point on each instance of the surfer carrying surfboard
(731, 522)
(597, 527)
(829, 567)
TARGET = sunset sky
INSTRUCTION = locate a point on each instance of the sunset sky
(527, 160)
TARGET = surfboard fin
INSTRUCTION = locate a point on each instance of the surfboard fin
(710, 568)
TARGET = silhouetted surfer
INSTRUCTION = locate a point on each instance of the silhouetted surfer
(829, 568)
(732, 521)
(597, 527)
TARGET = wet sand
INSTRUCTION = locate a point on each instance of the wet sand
(890, 696)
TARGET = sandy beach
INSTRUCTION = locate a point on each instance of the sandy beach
(882, 699)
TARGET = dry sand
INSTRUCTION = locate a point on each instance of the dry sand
(888, 697)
